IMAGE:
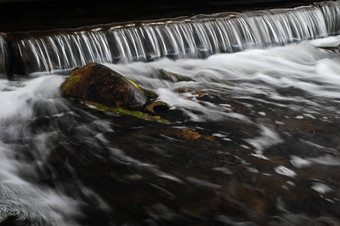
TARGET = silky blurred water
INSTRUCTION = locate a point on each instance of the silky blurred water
(253, 140)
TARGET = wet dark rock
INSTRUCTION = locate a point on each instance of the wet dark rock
(100, 88)
(156, 108)
(334, 49)
(187, 134)
(98, 83)
(12, 221)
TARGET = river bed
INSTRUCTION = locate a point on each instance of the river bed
(253, 139)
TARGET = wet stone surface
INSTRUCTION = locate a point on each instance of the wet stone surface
(98, 83)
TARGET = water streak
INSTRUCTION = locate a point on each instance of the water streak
(3, 53)
(198, 36)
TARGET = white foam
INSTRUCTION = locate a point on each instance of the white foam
(207, 111)
(290, 183)
(321, 188)
(18, 102)
(260, 156)
(327, 160)
(299, 162)
(33, 201)
(324, 42)
(282, 170)
(301, 66)
(279, 123)
(309, 116)
(222, 170)
(266, 139)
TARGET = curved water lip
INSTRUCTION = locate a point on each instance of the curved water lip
(194, 37)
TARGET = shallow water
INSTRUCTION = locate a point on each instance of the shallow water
(254, 140)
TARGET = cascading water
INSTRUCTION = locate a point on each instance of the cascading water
(333, 19)
(3, 55)
(253, 137)
(190, 37)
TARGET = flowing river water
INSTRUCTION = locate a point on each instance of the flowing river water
(253, 137)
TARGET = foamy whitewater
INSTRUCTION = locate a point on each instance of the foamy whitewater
(274, 114)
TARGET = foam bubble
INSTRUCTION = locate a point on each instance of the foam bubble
(285, 171)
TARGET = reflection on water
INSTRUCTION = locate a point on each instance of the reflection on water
(253, 141)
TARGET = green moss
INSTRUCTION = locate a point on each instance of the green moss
(150, 95)
(137, 114)
(4, 219)
(132, 82)
(73, 78)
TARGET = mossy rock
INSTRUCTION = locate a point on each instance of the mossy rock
(98, 83)
(100, 88)
(150, 95)
(173, 77)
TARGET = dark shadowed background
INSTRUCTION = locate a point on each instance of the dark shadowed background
(28, 15)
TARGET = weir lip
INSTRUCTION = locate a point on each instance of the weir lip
(31, 15)
(183, 37)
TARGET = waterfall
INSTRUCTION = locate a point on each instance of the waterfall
(331, 12)
(3, 54)
(198, 36)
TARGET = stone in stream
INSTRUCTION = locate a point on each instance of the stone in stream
(333, 49)
(98, 83)
(103, 89)
(173, 77)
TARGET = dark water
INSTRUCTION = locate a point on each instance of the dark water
(252, 139)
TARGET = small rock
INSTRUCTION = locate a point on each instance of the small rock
(173, 77)
(156, 108)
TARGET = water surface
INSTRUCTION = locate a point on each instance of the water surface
(253, 140)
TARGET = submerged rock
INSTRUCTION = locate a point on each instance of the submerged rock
(187, 134)
(173, 77)
(194, 93)
(98, 83)
(333, 49)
